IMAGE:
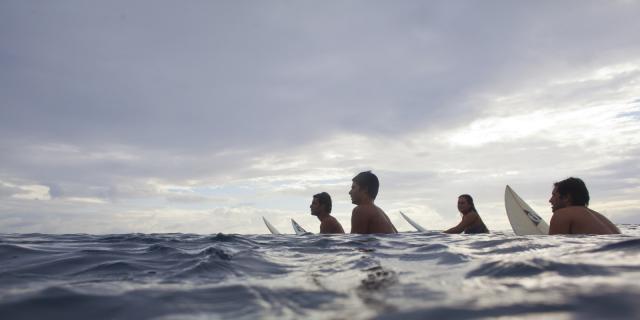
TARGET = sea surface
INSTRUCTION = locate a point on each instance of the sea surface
(405, 276)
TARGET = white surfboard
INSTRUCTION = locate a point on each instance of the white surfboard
(297, 228)
(270, 226)
(523, 219)
(413, 223)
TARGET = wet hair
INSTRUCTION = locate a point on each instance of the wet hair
(575, 188)
(369, 181)
(469, 200)
(324, 199)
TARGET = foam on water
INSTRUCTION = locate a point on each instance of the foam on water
(409, 276)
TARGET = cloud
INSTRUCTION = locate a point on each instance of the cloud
(201, 109)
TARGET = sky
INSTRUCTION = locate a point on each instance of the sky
(205, 116)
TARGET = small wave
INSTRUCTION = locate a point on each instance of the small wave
(212, 270)
(227, 302)
(514, 249)
(67, 264)
(11, 251)
(130, 238)
(481, 244)
(295, 302)
(535, 311)
(608, 303)
(215, 263)
(111, 268)
(632, 245)
(444, 258)
(231, 238)
(502, 269)
(432, 247)
(162, 249)
(214, 252)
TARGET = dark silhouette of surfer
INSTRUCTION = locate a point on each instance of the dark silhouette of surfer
(569, 201)
(321, 208)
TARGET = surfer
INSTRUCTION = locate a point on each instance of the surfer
(471, 221)
(366, 216)
(569, 201)
(321, 208)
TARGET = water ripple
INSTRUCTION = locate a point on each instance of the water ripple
(427, 275)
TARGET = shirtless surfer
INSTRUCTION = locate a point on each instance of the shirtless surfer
(366, 216)
(321, 208)
(569, 201)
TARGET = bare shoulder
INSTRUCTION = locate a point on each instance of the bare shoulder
(331, 221)
(364, 210)
(597, 214)
(561, 221)
(580, 220)
(569, 211)
(610, 226)
(331, 225)
(360, 220)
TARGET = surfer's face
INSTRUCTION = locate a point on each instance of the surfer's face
(315, 206)
(355, 193)
(463, 205)
(557, 201)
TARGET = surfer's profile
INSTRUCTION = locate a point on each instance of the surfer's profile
(321, 208)
(366, 217)
(569, 201)
(471, 221)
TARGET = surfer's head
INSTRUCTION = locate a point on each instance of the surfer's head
(365, 182)
(320, 201)
(465, 204)
(569, 192)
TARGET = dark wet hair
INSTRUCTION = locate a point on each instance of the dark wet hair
(324, 199)
(369, 181)
(576, 189)
(469, 200)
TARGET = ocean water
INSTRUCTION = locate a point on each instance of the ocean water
(405, 276)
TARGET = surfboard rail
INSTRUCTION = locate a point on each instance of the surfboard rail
(523, 219)
(413, 223)
(271, 228)
(297, 228)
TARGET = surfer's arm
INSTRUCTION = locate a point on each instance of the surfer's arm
(467, 220)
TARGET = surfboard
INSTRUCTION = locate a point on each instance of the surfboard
(297, 228)
(270, 226)
(413, 223)
(523, 219)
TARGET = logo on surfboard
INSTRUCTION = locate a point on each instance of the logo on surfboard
(297, 228)
(533, 217)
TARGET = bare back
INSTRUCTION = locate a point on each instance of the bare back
(369, 218)
(580, 220)
(330, 225)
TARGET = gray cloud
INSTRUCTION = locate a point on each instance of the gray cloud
(208, 76)
(103, 100)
